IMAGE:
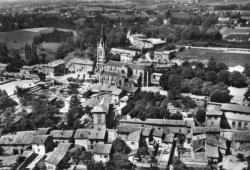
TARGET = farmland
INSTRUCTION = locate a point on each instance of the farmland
(231, 59)
(17, 39)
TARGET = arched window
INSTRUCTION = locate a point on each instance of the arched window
(239, 125)
(233, 124)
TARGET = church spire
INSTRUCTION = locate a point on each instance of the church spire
(103, 38)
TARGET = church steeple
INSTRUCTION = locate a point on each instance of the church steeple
(101, 50)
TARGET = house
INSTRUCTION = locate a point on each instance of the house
(241, 138)
(125, 130)
(81, 137)
(3, 67)
(62, 136)
(133, 139)
(17, 143)
(126, 55)
(158, 134)
(31, 160)
(101, 152)
(155, 78)
(96, 137)
(57, 157)
(236, 116)
(41, 144)
(205, 130)
(54, 68)
(77, 65)
(213, 116)
(235, 34)
(99, 113)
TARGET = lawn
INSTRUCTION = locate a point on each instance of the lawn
(231, 59)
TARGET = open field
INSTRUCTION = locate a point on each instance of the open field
(52, 46)
(231, 59)
(17, 39)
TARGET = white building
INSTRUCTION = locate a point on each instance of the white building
(101, 152)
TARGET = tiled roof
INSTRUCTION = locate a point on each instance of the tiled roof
(129, 89)
(97, 134)
(146, 131)
(127, 129)
(198, 130)
(98, 109)
(23, 137)
(235, 108)
(3, 65)
(40, 139)
(169, 138)
(56, 156)
(83, 61)
(112, 135)
(42, 131)
(102, 149)
(214, 112)
(6, 139)
(212, 151)
(116, 91)
(134, 136)
(156, 122)
(54, 63)
(242, 136)
(158, 132)
(64, 134)
(82, 133)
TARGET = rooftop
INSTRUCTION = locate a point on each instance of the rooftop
(102, 149)
(97, 134)
(242, 136)
(54, 63)
(134, 136)
(65, 134)
(199, 130)
(40, 139)
(235, 108)
(82, 134)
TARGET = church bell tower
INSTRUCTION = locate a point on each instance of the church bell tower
(101, 51)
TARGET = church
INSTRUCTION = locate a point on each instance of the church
(120, 73)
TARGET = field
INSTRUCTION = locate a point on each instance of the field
(17, 39)
(53, 46)
(231, 59)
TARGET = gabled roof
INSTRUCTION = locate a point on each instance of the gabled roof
(56, 156)
(198, 130)
(235, 108)
(242, 136)
(212, 151)
(134, 136)
(214, 112)
(83, 61)
(63, 134)
(54, 63)
(40, 139)
(43, 131)
(158, 132)
(82, 133)
(127, 129)
(97, 134)
(169, 138)
(23, 137)
(103, 149)
(146, 131)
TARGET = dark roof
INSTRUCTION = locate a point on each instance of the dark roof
(43, 131)
(82, 133)
(40, 139)
(63, 134)
(242, 136)
(102, 149)
(235, 108)
(127, 129)
(200, 130)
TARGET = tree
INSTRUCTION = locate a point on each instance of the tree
(201, 115)
(223, 76)
(236, 79)
(220, 96)
(195, 85)
(247, 70)
(188, 73)
(207, 88)
(211, 64)
(75, 110)
(210, 76)
(42, 76)
(200, 73)
(176, 116)
(119, 146)
(164, 81)
(174, 82)
(5, 100)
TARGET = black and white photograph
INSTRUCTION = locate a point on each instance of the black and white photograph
(124, 84)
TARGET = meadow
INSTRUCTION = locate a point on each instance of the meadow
(231, 59)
